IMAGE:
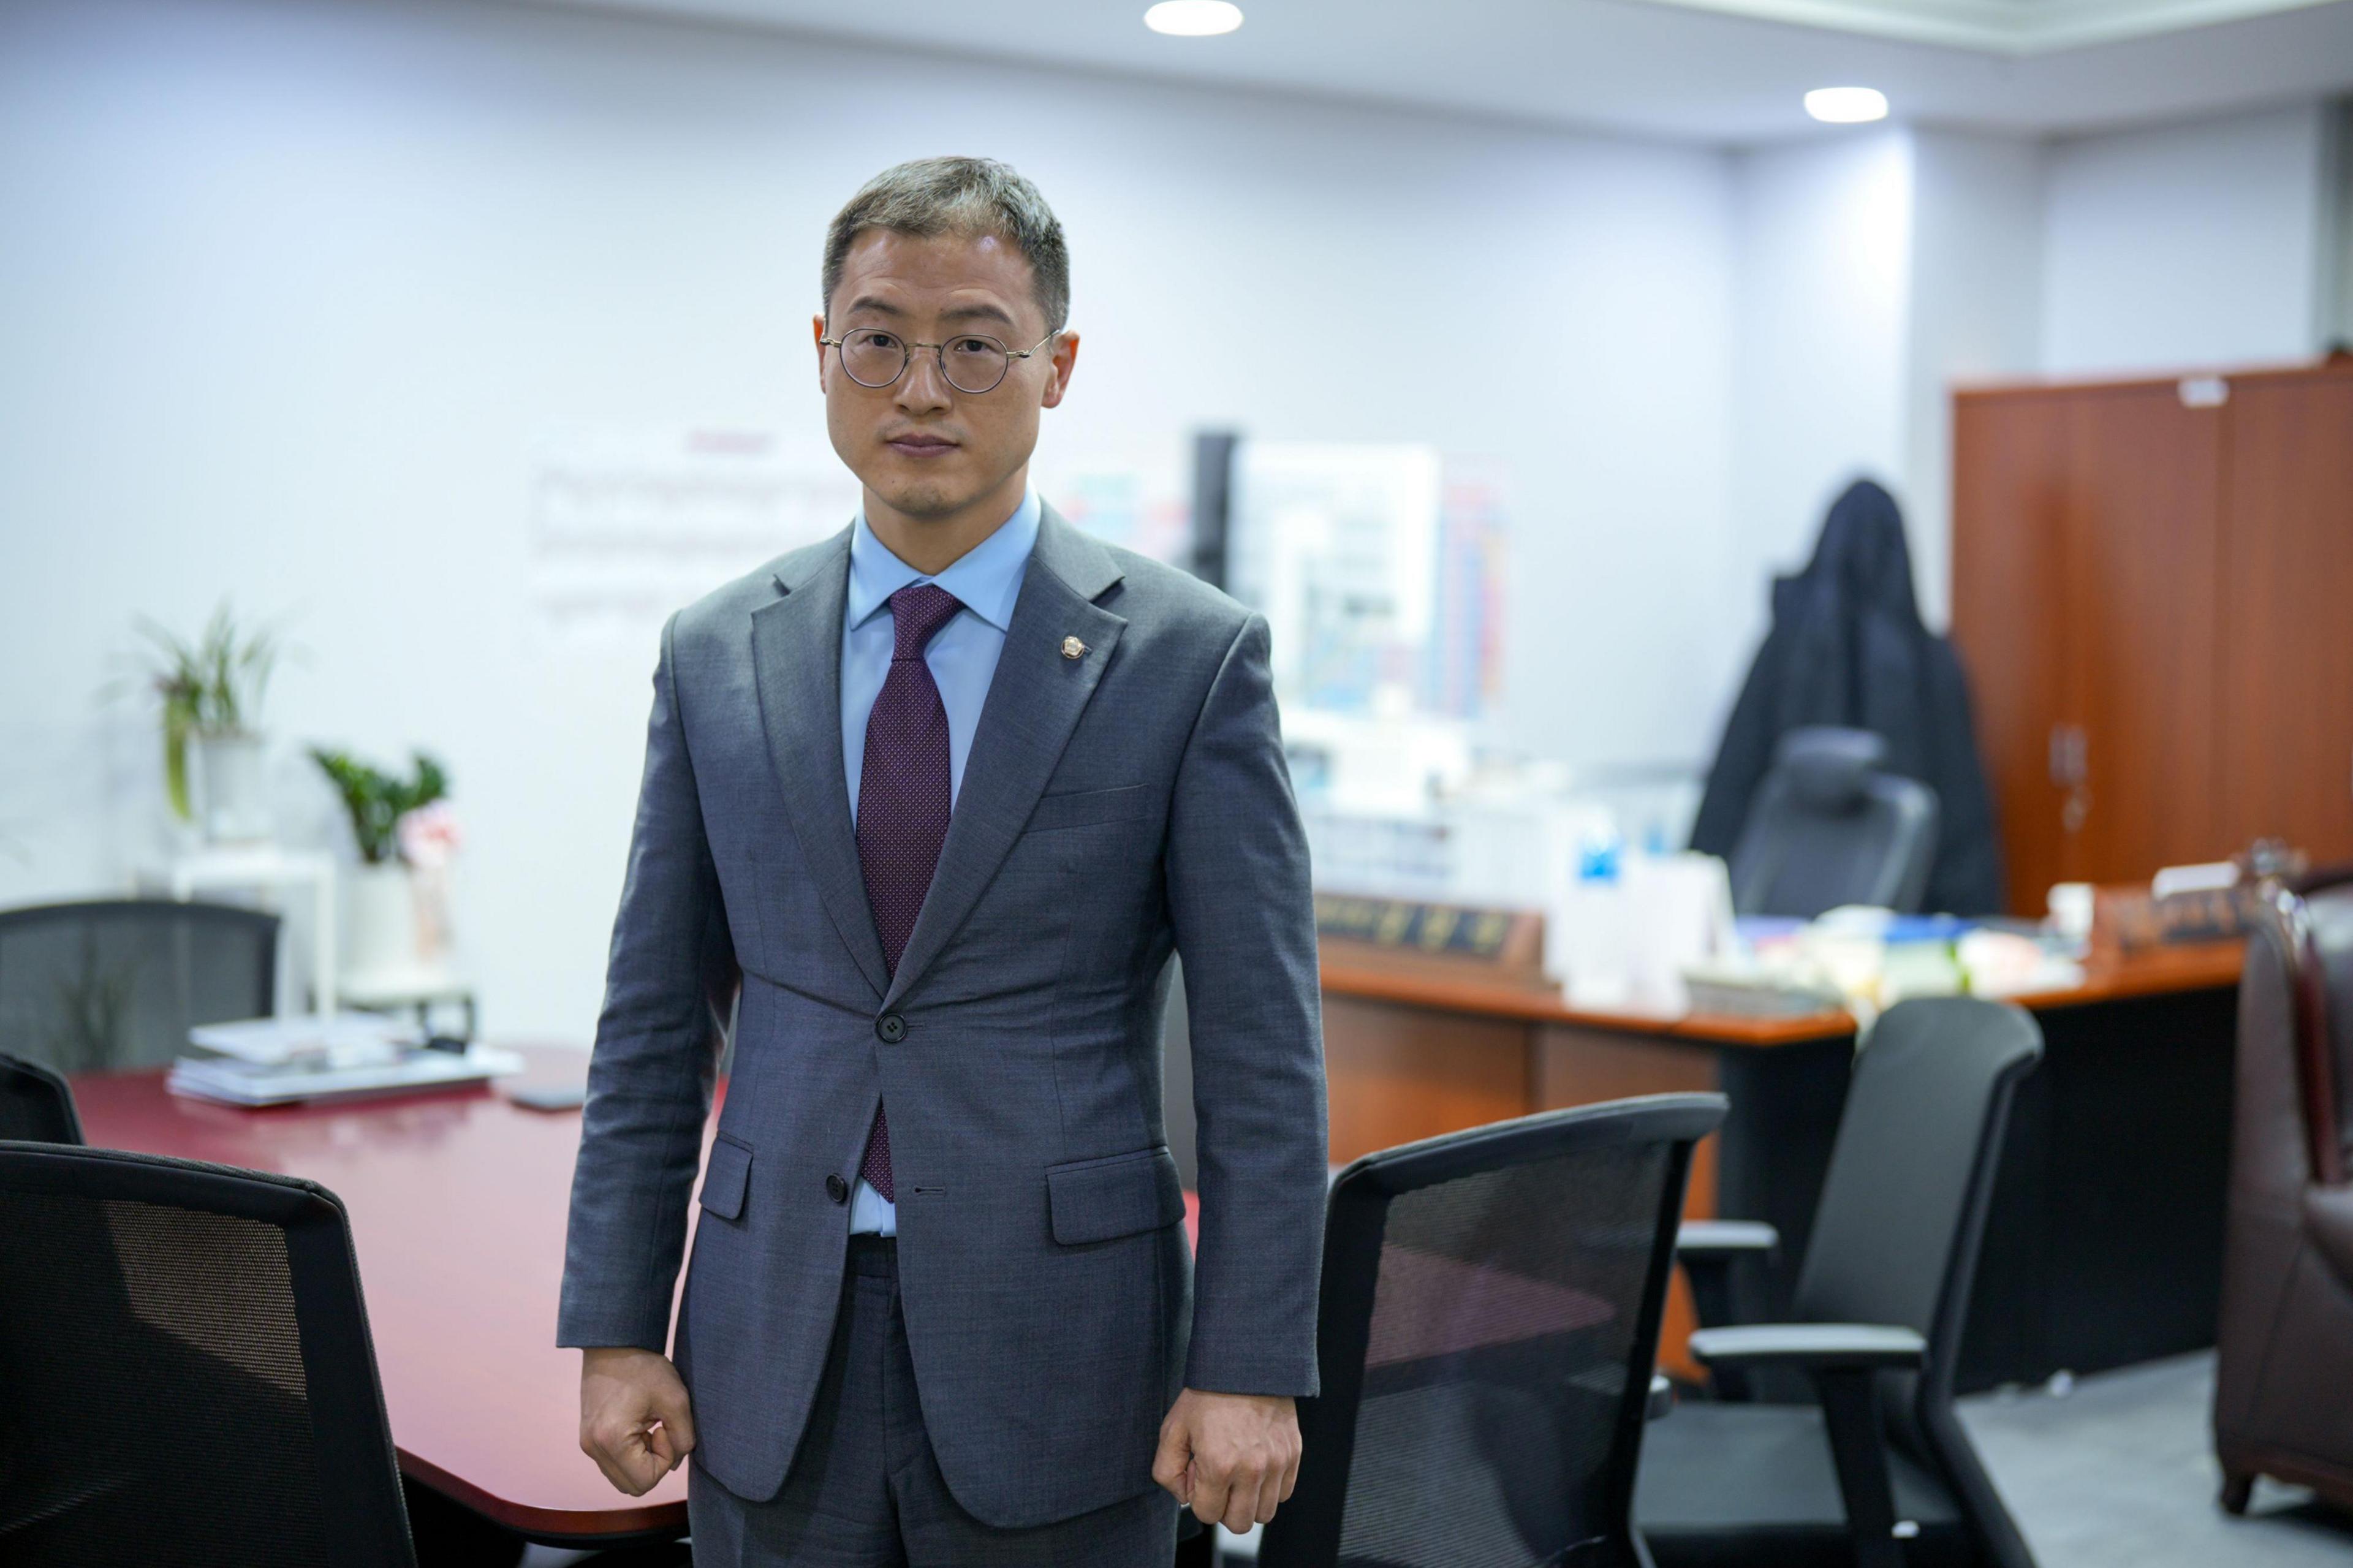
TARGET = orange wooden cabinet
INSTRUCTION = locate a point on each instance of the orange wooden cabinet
(2148, 583)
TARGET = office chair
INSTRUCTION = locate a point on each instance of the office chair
(1875, 1470)
(117, 983)
(189, 1375)
(35, 1105)
(1487, 1331)
(1828, 828)
(2286, 1326)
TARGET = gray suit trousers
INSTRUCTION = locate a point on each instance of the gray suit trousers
(866, 1491)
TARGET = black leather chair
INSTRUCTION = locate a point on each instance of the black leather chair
(35, 1105)
(1489, 1323)
(1829, 828)
(117, 983)
(189, 1375)
(1873, 1470)
(2285, 1340)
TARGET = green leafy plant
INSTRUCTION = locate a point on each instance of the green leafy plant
(212, 685)
(377, 800)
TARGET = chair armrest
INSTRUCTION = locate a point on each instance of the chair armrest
(1811, 1347)
(1725, 1238)
(1707, 1248)
(1845, 1361)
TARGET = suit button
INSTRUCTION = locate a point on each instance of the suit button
(837, 1189)
(891, 1028)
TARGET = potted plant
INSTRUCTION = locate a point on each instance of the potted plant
(397, 930)
(212, 689)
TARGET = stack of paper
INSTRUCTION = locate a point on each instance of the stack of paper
(340, 1039)
(234, 1080)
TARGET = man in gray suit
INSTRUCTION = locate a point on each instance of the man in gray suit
(930, 805)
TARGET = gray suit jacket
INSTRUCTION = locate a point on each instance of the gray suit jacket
(1113, 807)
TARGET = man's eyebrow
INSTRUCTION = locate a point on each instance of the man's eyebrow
(868, 303)
(975, 312)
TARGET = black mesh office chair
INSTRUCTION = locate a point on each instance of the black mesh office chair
(1489, 1323)
(1829, 828)
(117, 983)
(1875, 1471)
(189, 1375)
(35, 1105)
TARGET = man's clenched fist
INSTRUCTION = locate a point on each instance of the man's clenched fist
(634, 1417)
(1231, 1457)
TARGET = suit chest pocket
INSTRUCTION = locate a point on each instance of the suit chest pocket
(1091, 808)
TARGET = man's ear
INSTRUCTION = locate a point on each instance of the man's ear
(817, 331)
(1062, 358)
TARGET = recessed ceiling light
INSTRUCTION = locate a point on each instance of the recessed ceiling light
(1194, 19)
(1847, 105)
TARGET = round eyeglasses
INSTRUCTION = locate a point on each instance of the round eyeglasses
(972, 362)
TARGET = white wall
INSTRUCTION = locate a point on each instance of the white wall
(291, 288)
(2338, 263)
(1976, 287)
(1823, 280)
(2188, 245)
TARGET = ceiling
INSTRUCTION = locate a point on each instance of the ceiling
(1727, 71)
(2001, 26)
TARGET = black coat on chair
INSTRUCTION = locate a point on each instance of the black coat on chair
(1848, 648)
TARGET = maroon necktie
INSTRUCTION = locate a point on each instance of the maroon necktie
(902, 801)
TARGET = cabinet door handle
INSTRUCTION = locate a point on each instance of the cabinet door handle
(2070, 756)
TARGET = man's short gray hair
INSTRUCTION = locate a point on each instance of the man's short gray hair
(966, 197)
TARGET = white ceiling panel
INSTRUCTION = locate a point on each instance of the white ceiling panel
(1690, 70)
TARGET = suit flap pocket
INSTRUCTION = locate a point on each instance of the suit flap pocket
(1086, 808)
(1095, 1200)
(726, 1176)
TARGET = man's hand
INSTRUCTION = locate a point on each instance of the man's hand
(634, 1417)
(1231, 1457)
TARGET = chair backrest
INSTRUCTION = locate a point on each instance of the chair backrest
(1488, 1328)
(189, 1375)
(2313, 924)
(1829, 828)
(35, 1105)
(117, 983)
(1911, 1176)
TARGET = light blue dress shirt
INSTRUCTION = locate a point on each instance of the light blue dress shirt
(962, 656)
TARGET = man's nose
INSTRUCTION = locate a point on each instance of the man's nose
(923, 389)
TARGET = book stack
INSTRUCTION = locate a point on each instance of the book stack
(338, 1055)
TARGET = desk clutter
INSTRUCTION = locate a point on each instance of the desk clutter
(1652, 937)
(1867, 960)
(341, 1056)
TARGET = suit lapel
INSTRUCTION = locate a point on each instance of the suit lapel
(1034, 702)
(796, 666)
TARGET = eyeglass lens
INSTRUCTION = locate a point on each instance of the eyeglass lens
(875, 358)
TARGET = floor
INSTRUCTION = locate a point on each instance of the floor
(2113, 1471)
(2118, 1472)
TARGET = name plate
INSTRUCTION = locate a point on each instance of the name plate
(1460, 939)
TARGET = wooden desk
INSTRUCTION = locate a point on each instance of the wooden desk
(458, 1206)
(2105, 1243)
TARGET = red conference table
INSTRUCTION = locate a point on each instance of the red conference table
(456, 1204)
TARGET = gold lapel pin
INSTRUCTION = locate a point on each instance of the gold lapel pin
(1073, 648)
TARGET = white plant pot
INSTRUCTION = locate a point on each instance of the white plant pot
(235, 788)
(380, 942)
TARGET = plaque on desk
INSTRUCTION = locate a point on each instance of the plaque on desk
(2132, 920)
(1443, 941)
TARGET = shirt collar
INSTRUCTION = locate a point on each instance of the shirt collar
(985, 579)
